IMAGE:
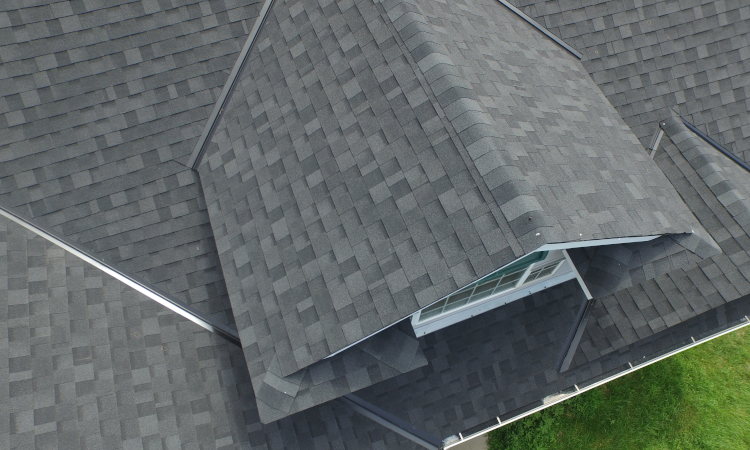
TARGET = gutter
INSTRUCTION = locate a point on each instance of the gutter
(575, 390)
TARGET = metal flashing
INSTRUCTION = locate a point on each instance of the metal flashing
(578, 275)
(391, 422)
(715, 144)
(656, 140)
(229, 85)
(596, 242)
(174, 305)
(576, 334)
(543, 30)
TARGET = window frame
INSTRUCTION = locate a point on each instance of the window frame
(554, 265)
(522, 266)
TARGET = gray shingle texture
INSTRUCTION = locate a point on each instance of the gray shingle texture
(99, 102)
(505, 361)
(716, 189)
(610, 268)
(556, 156)
(86, 362)
(390, 353)
(360, 173)
(650, 55)
(376, 156)
(326, 191)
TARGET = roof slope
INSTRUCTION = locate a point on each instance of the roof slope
(717, 190)
(390, 353)
(442, 125)
(326, 183)
(99, 101)
(359, 173)
(610, 268)
(505, 362)
(86, 362)
(556, 156)
(651, 55)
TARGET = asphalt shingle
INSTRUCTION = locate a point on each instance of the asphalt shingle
(652, 55)
(100, 102)
(87, 362)
(545, 155)
(715, 187)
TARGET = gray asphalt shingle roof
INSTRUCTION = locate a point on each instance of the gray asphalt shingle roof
(650, 55)
(100, 101)
(717, 190)
(556, 157)
(390, 353)
(135, 374)
(376, 157)
(87, 362)
(505, 362)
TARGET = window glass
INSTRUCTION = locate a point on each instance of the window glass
(509, 281)
(467, 290)
(457, 300)
(546, 271)
(435, 306)
(502, 280)
(543, 271)
(533, 275)
(521, 265)
(485, 288)
(424, 315)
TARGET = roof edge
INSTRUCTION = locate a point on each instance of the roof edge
(522, 215)
(707, 163)
(391, 353)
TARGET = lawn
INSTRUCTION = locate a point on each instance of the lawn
(699, 399)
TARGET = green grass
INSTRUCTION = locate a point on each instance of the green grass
(699, 399)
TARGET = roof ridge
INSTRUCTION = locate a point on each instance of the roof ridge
(707, 164)
(501, 164)
(473, 126)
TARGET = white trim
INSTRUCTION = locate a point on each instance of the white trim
(565, 396)
(655, 140)
(578, 276)
(417, 312)
(494, 301)
(548, 247)
(524, 275)
(415, 316)
(596, 242)
(539, 266)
